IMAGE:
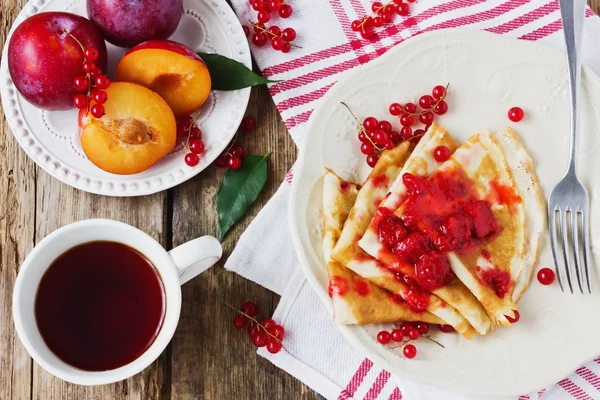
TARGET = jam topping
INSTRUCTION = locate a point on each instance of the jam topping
(505, 194)
(497, 280)
(362, 287)
(484, 224)
(433, 270)
(391, 230)
(412, 247)
(454, 232)
(338, 286)
(415, 297)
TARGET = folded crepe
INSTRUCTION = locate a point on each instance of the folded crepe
(421, 163)
(348, 253)
(355, 299)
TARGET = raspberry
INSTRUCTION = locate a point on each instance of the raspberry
(484, 224)
(433, 270)
(415, 297)
(391, 230)
(415, 185)
(412, 247)
(454, 232)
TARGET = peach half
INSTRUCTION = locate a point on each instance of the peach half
(137, 130)
(172, 70)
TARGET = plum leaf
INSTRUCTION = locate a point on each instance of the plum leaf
(239, 190)
(228, 74)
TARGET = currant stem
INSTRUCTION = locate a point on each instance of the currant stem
(264, 30)
(254, 320)
(195, 116)
(434, 341)
(432, 108)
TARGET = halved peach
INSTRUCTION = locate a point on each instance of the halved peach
(172, 70)
(137, 130)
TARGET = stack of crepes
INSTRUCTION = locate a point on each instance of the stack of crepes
(452, 242)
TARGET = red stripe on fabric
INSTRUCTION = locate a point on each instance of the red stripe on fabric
(377, 386)
(357, 43)
(303, 99)
(359, 376)
(396, 394)
(573, 390)
(589, 12)
(342, 17)
(289, 177)
(297, 119)
(344, 396)
(589, 376)
(543, 31)
(525, 18)
(526, 397)
(541, 393)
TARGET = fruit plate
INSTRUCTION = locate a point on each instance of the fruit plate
(488, 74)
(51, 138)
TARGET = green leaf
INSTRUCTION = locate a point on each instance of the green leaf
(239, 190)
(228, 74)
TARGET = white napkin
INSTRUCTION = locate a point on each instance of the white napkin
(315, 351)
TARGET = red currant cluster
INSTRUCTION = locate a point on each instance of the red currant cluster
(430, 105)
(281, 40)
(92, 85)
(193, 144)
(407, 332)
(267, 333)
(376, 136)
(382, 13)
(233, 155)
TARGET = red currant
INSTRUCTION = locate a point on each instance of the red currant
(397, 335)
(246, 30)
(88, 67)
(545, 276)
(426, 101)
(91, 54)
(100, 96)
(395, 137)
(269, 324)
(239, 321)
(102, 82)
(277, 43)
(362, 137)
(259, 39)
(381, 138)
(278, 332)
(367, 148)
(389, 145)
(249, 308)
(413, 334)
(395, 109)
(409, 351)
(397, 2)
(286, 47)
(191, 159)
(426, 118)
(376, 7)
(94, 73)
(441, 108)
(406, 120)
(515, 319)
(405, 327)
(82, 83)
(367, 33)
(441, 154)
(384, 337)
(406, 132)
(258, 5)
(253, 328)
(195, 133)
(274, 5)
(221, 161)
(273, 346)
(445, 328)
(418, 133)
(274, 30)
(288, 34)
(248, 123)
(97, 110)
(356, 24)
(422, 327)
(368, 22)
(515, 114)
(238, 151)
(377, 21)
(410, 108)
(371, 124)
(438, 92)
(372, 160)
(259, 338)
(196, 146)
(385, 126)
(263, 16)
(234, 163)
(80, 101)
(403, 9)
(285, 11)
(259, 27)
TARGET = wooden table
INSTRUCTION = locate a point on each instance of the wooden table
(208, 358)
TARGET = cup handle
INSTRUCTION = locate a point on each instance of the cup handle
(196, 256)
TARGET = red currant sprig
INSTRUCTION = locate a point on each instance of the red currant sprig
(92, 85)
(233, 155)
(382, 13)
(428, 107)
(280, 40)
(376, 136)
(193, 143)
(411, 331)
(267, 333)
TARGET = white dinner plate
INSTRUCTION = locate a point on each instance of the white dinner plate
(50, 138)
(488, 74)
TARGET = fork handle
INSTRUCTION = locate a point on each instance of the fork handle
(572, 14)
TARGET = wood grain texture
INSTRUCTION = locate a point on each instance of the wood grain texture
(208, 358)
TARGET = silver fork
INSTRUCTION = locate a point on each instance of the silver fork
(568, 203)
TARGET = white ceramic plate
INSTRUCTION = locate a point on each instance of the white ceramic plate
(487, 74)
(51, 138)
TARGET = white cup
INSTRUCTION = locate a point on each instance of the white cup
(175, 268)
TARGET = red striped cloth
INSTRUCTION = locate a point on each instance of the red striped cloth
(330, 47)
